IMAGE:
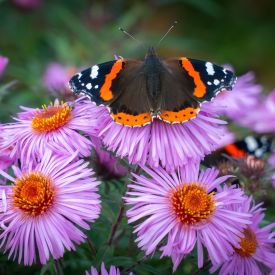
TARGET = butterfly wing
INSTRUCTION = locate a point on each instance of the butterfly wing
(186, 83)
(96, 82)
(209, 79)
(132, 107)
(120, 85)
(250, 145)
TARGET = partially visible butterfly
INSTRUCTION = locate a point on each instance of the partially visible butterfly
(250, 145)
(136, 91)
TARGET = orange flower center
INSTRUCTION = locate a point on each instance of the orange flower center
(51, 118)
(248, 243)
(33, 194)
(192, 204)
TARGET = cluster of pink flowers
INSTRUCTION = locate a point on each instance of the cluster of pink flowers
(50, 196)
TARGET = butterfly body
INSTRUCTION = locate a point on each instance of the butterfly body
(136, 92)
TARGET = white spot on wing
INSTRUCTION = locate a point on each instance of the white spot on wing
(209, 68)
(252, 144)
(79, 75)
(259, 152)
(96, 86)
(209, 83)
(216, 82)
(94, 71)
(89, 86)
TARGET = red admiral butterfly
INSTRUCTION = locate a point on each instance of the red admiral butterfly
(137, 91)
(255, 146)
(249, 146)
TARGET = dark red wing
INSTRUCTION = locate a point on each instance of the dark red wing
(132, 107)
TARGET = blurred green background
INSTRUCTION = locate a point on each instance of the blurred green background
(82, 33)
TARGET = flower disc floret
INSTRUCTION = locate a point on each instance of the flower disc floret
(33, 194)
(192, 204)
(248, 243)
(51, 118)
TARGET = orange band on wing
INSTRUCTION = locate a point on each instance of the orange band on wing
(105, 91)
(180, 116)
(200, 88)
(234, 151)
(132, 120)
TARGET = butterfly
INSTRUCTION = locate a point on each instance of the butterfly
(136, 92)
(257, 146)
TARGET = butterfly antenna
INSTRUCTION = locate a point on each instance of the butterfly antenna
(169, 30)
(131, 36)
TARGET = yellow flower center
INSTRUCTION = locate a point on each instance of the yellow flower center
(33, 194)
(51, 118)
(192, 204)
(248, 243)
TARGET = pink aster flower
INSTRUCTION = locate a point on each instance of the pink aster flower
(182, 209)
(256, 250)
(161, 143)
(45, 207)
(3, 63)
(113, 271)
(244, 97)
(5, 159)
(261, 119)
(56, 79)
(106, 165)
(56, 127)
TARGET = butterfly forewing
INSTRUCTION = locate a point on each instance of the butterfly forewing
(209, 79)
(96, 82)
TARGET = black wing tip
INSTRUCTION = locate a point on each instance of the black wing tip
(232, 82)
(72, 86)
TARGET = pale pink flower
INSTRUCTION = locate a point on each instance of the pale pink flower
(45, 208)
(60, 127)
(185, 208)
(256, 248)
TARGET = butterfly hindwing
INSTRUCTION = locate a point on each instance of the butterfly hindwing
(131, 107)
(178, 104)
(96, 81)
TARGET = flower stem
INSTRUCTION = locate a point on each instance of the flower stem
(116, 224)
(57, 267)
(91, 247)
(120, 214)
